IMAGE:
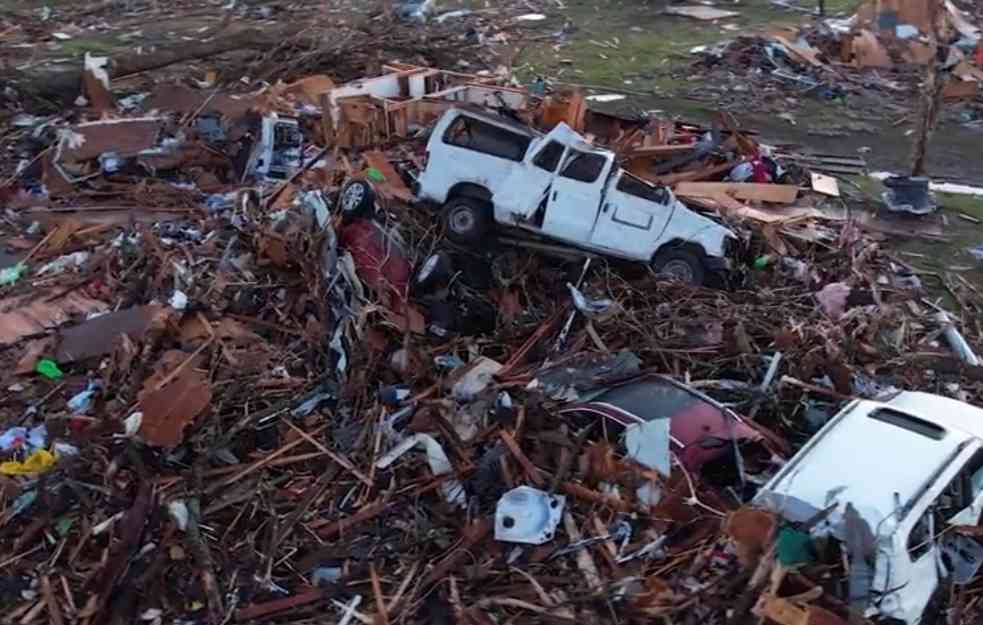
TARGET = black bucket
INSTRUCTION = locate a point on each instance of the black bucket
(909, 194)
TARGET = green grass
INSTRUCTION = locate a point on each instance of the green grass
(78, 47)
(640, 43)
(946, 256)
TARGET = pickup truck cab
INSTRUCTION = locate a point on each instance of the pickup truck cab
(892, 480)
(488, 171)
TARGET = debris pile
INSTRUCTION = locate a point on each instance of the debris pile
(879, 49)
(250, 376)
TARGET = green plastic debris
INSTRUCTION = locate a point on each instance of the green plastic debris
(375, 175)
(64, 525)
(762, 261)
(9, 275)
(49, 369)
(794, 547)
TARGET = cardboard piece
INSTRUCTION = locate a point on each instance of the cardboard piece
(827, 185)
(393, 186)
(806, 53)
(778, 193)
(960, 89)
(868, 51)
(785, 612)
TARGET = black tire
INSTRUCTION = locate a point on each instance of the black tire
(434, 273)
(356, 199)
(679, 264)
(466, 221)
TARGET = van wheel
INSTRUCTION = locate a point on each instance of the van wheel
(466, 220)
(357, 199)
(681, 265)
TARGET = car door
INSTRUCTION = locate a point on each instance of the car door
(526, 188)
(917, 566)
(632, 217)
(573, 204)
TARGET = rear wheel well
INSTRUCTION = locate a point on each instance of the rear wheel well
(681, 244)
(470, 190)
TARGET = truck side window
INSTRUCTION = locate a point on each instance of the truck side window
(584, 166)
(919, 540)
(958, 497)
(549, 157)
(633, 186)
(472, 134)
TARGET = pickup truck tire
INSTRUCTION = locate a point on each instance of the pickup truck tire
(357, 199)
(681, 265)
(435, 273)
(466, 221)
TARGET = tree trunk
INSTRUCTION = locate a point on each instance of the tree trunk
(931, 95)
(64, 86)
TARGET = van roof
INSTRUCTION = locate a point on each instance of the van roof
(877, 454)
(498, 120)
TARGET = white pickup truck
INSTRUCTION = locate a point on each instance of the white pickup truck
(489, 171)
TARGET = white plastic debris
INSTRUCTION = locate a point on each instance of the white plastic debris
(179, 300)
(18, 437)
(528, 515)
(98, 66)
(60, 264)
(956, 340)
(81, 403)
(591, 308)
(131, 425)
(436, 457)
(647, 443)
(179, 512)
(531, 17)
(479, 376)
(606, 97)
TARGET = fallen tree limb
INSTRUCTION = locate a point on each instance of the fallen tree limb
(65, 86)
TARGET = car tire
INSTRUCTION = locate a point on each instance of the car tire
(681, 265)
(357, 199)
(466, 221)
(434, 273)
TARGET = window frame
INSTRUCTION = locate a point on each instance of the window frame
(518, 138)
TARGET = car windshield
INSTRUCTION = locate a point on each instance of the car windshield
(655, 399)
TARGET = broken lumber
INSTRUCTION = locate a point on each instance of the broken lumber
(778, 193)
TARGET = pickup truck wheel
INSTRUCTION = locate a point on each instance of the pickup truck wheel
(357, 199)
(466, 221)
(435, 273)
(681, 265)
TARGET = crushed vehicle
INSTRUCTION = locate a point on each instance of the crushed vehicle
(700, 430)
(488, 171)
(891, 480)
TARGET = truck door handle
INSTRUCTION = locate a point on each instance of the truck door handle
(554, 196)
(604, 208)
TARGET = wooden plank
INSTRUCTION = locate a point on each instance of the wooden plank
(778, 193)
(693, 174)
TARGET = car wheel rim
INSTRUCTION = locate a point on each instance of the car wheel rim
(462, 221)
(428, 268)
(352, 197)
(678, 270)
